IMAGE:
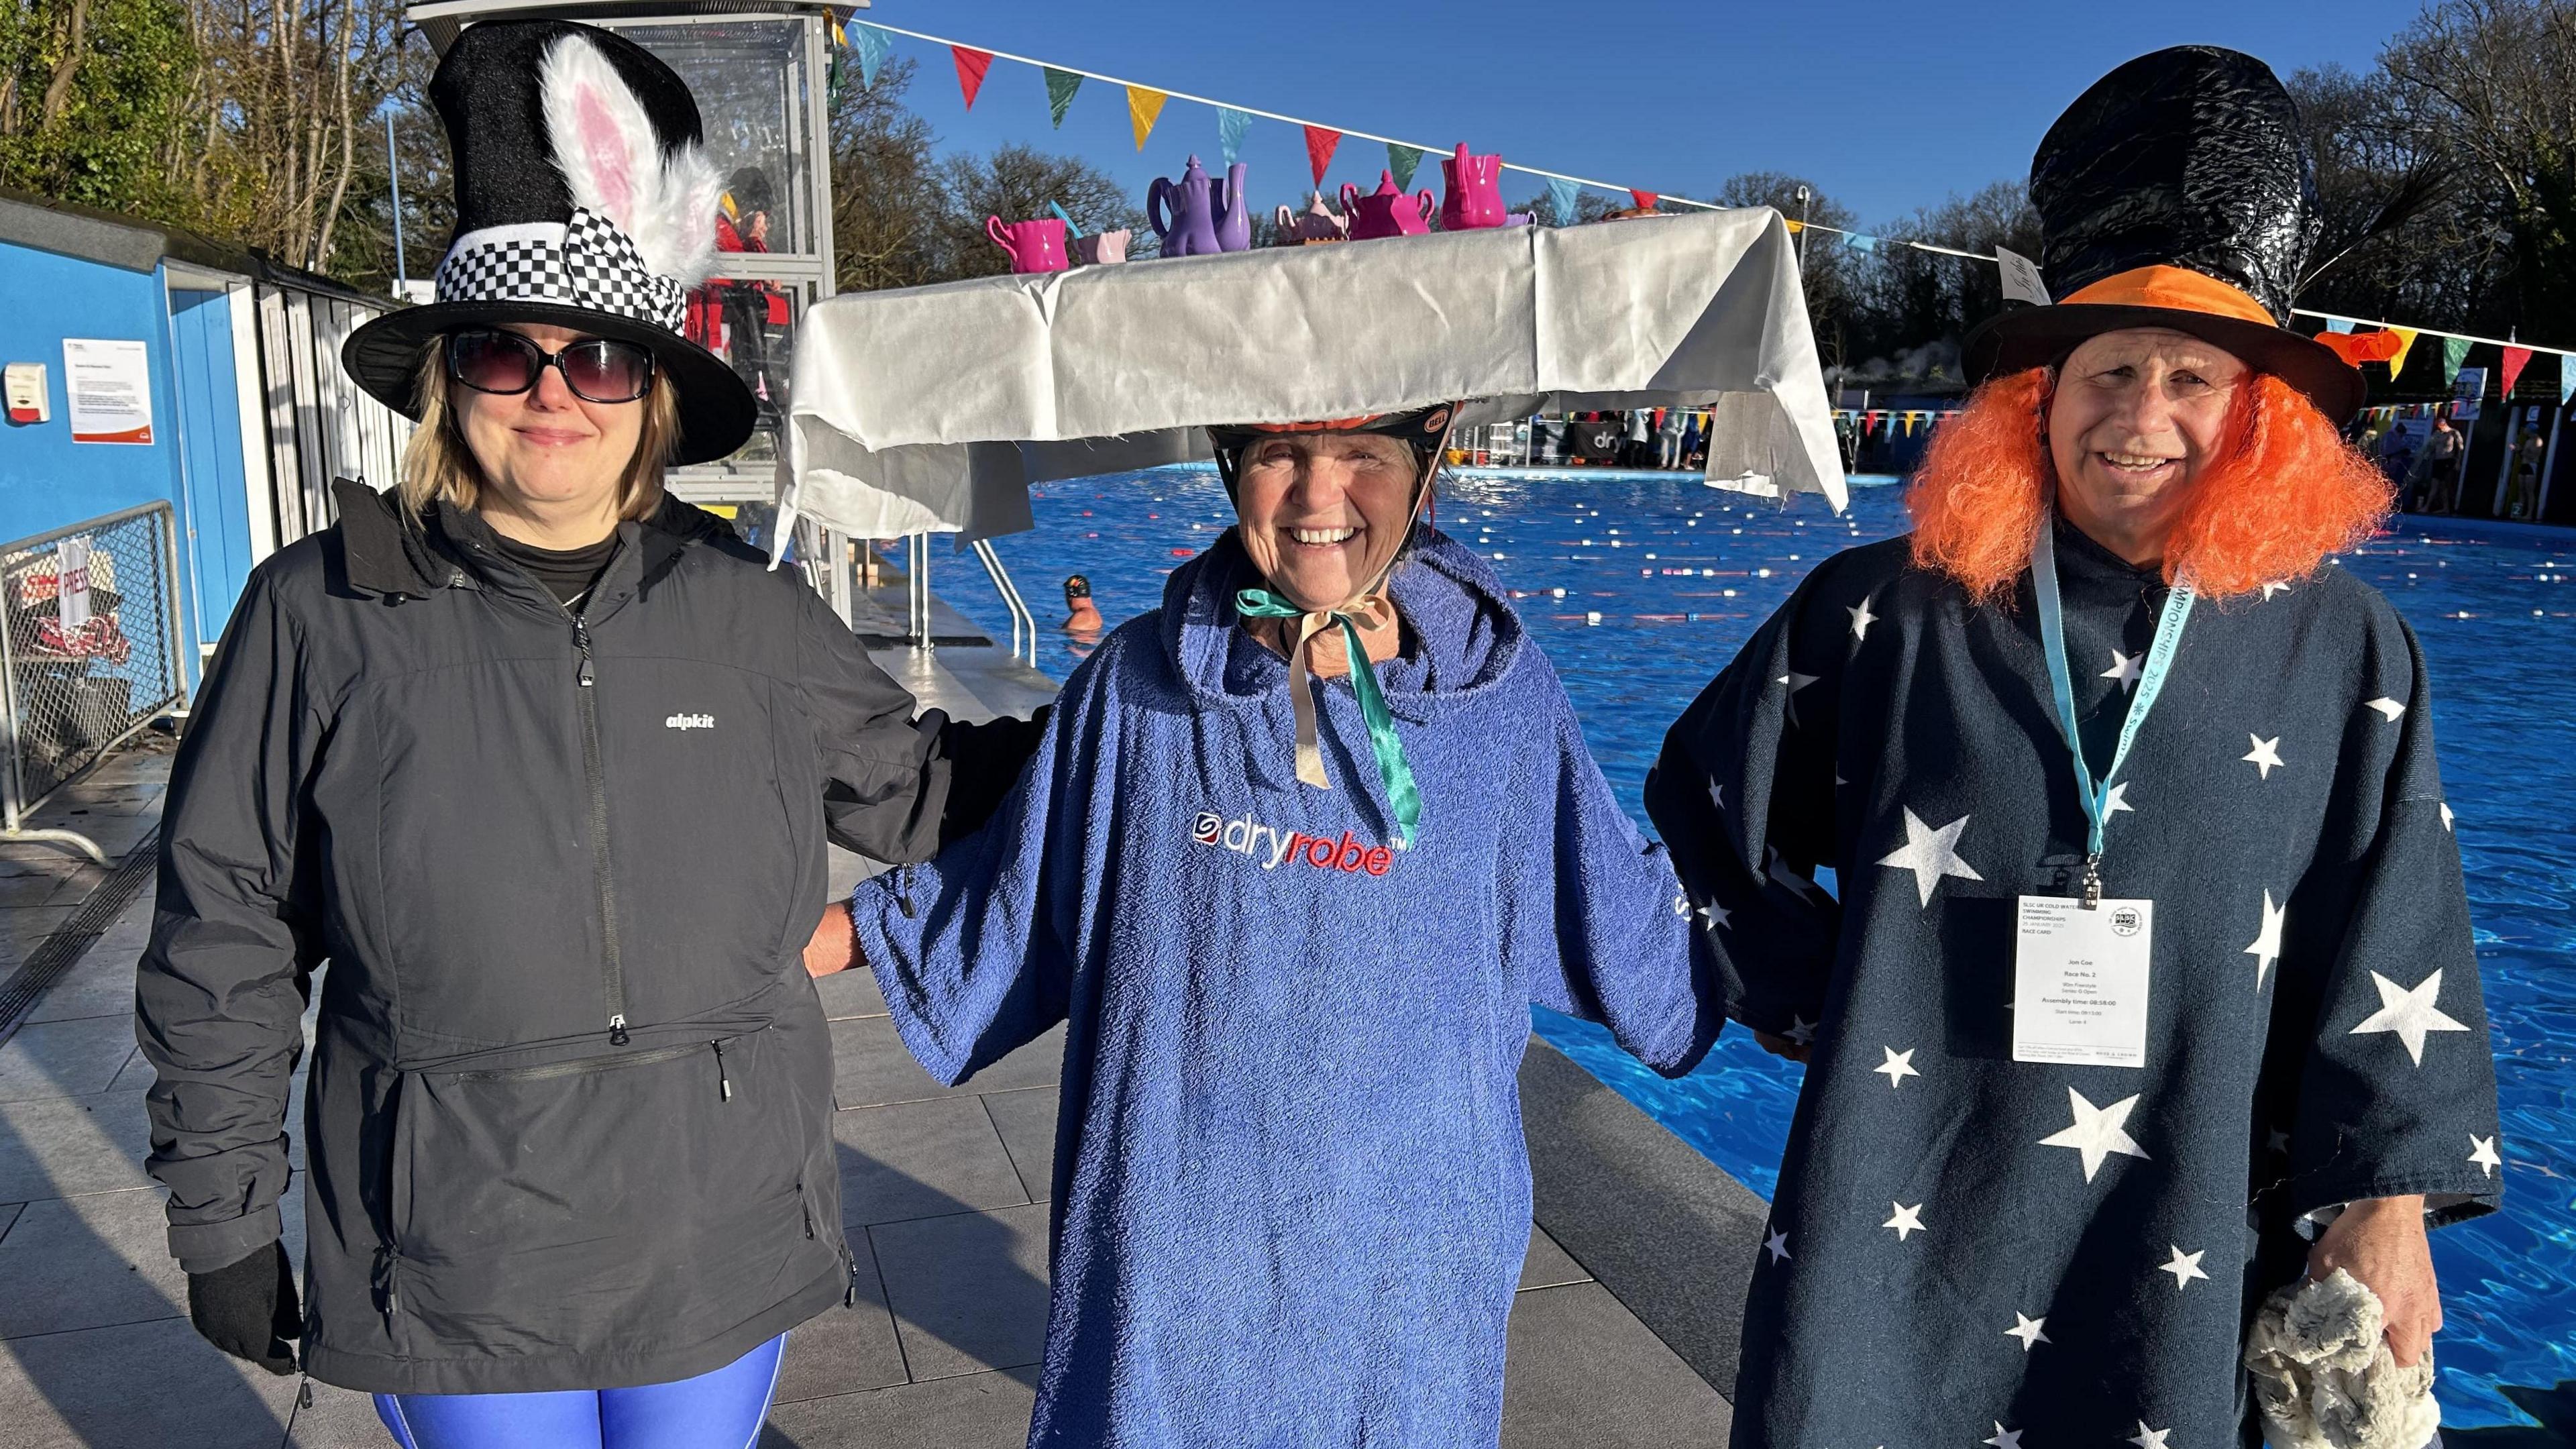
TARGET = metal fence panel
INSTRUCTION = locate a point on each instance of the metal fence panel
(89, 647)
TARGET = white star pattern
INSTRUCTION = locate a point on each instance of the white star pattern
(1862, 618)
(1717, 795)
(2447, 816)
(2184, 1267)
(2096, 1132)
(1898, 1066)
(1796, 682)
(2277, 1140)
(2409, 1013)
(2126, 668)
(2027, 1330)
(2482, 1151)
(2005, 1438)
(1801, 1030)
(2277, 586)
(1908, 1220)
(2116, 799)
(1776, 866)
(1777, 1245)
(2387, 707)
(1714, 915)
(1930, 854)
(2267, 941)
(2147, 1438)
(2265, 757)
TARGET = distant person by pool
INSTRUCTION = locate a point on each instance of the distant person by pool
(1082, 616)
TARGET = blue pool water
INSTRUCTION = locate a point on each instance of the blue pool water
(2495, 607)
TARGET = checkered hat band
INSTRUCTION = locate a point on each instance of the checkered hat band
(585, 263)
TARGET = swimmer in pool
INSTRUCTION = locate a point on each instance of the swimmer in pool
(1082, 617)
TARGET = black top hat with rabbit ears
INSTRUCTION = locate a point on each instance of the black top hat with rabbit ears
(2176, 192)
(584, 200)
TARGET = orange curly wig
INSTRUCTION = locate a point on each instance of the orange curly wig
(2284, 492)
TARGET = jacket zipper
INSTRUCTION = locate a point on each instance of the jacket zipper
(612, 968)
(586, 1065)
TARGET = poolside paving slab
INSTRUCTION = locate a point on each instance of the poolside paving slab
(922, 1159)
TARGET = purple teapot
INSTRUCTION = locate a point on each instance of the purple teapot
(1032, 246)
(1475, 191)
(1197, 217)
(1387, 211)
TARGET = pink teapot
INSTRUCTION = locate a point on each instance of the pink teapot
(1475, 191)
(1387, 211)
(1101, 247)
(1032, 246)
(1318, 223)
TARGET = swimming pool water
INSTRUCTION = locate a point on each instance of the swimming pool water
(1680, 574)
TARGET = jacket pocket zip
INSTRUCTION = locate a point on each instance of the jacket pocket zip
(587, 1065)
(612, 968)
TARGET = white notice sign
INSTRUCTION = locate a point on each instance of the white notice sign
(2080, 982)
(110, 384)
(2021, 278)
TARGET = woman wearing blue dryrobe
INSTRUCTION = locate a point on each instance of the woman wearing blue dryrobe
(1291, 1196)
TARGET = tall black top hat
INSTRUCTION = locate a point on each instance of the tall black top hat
(583, 199)
(2177, 192)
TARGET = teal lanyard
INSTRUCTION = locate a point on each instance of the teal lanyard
(1392, 769)
(2096, 795)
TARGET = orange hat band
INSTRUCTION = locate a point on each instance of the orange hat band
(2178, 289)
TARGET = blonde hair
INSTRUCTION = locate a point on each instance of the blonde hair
(437, 465)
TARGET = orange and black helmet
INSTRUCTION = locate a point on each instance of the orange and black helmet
(1424, 429)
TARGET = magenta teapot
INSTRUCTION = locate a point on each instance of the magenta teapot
(1387, 211)
(1317, 223)
(1032, 246)
(1475, 191)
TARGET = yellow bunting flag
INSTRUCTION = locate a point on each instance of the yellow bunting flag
(2405, 343)
(1143, 106)
(1796, 227)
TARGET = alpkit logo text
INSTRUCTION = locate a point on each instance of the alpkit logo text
(690, 722)
(1271, 846)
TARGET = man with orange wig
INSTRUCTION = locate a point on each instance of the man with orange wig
(2146, 985)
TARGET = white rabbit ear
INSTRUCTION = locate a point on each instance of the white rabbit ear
(612, 161)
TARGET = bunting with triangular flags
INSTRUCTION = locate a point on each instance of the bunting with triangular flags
(1060, 84)
(2338, 324)
(2514, 359)
(971, 65)
(2405, 344)
(2566, 379)
(1645, 199)
(1563, 198)
(1320, 142)
(2455, 350)
(1143, 106)
(1861, 243)
(1402, 162)
(1230, 126)
(871, 45)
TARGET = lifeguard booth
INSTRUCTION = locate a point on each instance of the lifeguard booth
(761, 72)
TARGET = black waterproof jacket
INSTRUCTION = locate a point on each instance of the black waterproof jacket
(568, 1121)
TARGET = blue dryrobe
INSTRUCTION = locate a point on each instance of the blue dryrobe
(1291, 1194)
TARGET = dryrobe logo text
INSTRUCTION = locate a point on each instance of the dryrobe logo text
(1273, 847)
(690, 722)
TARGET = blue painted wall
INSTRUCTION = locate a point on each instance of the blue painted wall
(214, 542)
(47, 480)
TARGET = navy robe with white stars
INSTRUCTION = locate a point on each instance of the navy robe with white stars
(1966, 1248)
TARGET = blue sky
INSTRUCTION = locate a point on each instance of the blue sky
(1886, 106)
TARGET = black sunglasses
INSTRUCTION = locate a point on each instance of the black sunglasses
(597, 369)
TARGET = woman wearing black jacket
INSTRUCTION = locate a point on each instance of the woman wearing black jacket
(543, 762)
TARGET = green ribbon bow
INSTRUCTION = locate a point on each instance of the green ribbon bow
(1392, 768)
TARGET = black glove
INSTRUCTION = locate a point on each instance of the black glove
(249, 1309)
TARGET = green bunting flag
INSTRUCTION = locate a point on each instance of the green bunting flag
(1230, 126)
(2455, 350)
(1061, 84)
(1402, 160)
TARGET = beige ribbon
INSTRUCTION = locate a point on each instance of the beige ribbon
(1370, 611)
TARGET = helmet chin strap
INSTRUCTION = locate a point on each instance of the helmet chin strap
(1372, 609)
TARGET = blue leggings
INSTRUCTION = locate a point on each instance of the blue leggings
(721, 1409)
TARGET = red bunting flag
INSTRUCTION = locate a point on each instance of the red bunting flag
(1320, 142)
(1645, 199)
(2514, 358)
(971, 65)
